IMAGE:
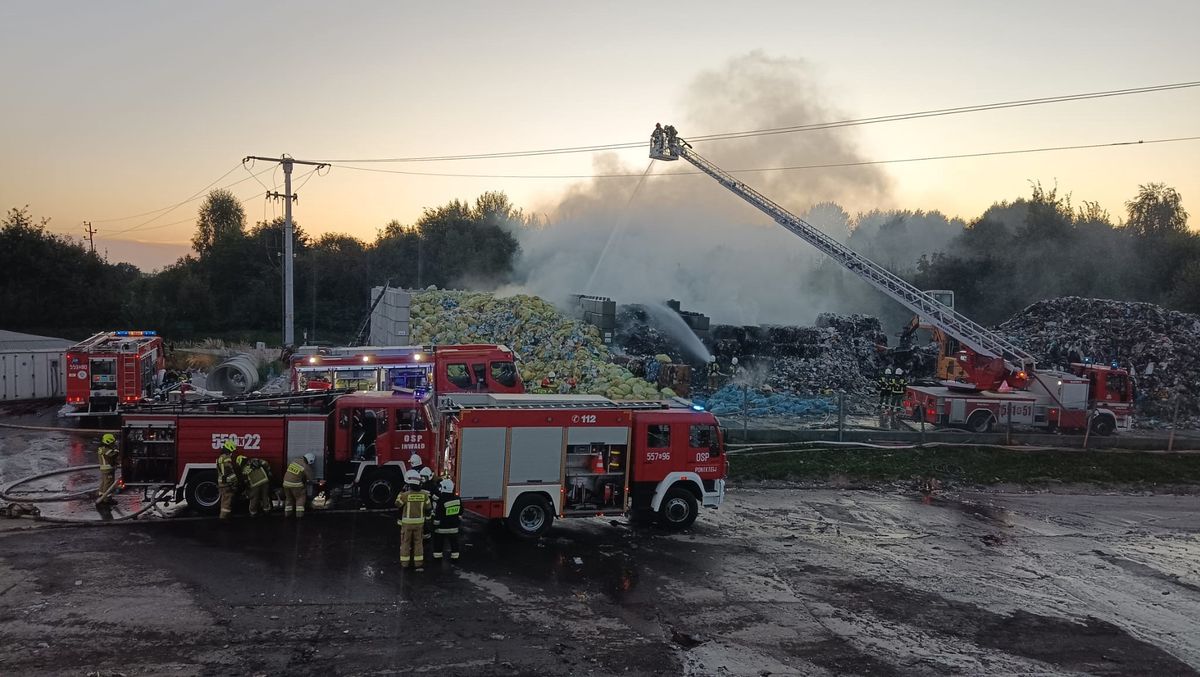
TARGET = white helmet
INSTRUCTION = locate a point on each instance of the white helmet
(310, 458)
(414, 461)
(733, 361)
(888, 371)
(551, 375)
(425, 472)
(899, 371)
(412, 477)
(446, 486)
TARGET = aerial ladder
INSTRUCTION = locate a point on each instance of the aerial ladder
(990, 360)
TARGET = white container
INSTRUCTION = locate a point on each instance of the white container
(32, 375)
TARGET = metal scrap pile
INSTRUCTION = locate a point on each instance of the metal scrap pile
(838, 354)
(1160, 347)
(543, 339)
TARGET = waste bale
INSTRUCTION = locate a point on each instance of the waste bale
(1160, 347)
(734, 399)
(544, 340)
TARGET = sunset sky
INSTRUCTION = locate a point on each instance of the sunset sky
(117, 108)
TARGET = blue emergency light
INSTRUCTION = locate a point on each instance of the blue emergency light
(698, 407)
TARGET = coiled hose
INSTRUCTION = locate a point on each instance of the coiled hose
(6, 494)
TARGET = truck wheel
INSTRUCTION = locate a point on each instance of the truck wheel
(379, 490)
(678, 509)
(202, 494)
(980, 422)
(531, 516)
(1103, 425)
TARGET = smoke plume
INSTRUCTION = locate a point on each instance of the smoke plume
(686, 237)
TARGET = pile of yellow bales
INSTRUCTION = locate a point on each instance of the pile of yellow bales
(543, 339)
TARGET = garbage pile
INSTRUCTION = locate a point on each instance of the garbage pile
(637, 335)
(733, 399)
(544, 340)
(839, 353)
(1160, 347)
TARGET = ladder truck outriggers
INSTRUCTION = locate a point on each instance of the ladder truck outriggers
(1001, 382)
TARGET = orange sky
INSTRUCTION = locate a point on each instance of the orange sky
(119, 108)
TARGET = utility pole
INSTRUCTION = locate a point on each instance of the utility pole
(289, 296)
(91, 234)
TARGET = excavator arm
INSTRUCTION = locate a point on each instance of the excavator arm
(993, 354)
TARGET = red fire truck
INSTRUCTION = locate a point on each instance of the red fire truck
(640, 457)
(527, 459)
(454, 368)
(113, 369)
(362, 441)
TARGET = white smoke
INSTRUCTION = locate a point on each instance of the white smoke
(690, 239)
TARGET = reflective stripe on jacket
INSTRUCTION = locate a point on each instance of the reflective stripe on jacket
(226, 475)
(414, 506)
(108, 458)
(298, 473)
(447, 515)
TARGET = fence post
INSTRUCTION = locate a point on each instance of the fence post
(745, 414)
(1174, 419)
(841, 413)
(1008, 426)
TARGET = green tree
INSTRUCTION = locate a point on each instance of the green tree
(221, 217)
(1156, 210)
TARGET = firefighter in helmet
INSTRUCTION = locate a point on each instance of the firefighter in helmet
(447, 514)
(107, 451)
(295, 484)
(256, 479)
(656, 138)
(415, 507)
(227, 477)
(714, 374)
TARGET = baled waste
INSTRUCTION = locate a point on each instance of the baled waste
(1160, 347)
(543, 339)
(755, 402)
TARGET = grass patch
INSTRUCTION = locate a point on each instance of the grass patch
(968, 465)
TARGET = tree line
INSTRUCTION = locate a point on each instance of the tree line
(231, 285)
(1012, 255)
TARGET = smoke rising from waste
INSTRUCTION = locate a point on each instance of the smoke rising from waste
(686, 237)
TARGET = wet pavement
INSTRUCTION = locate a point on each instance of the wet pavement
(781, 581)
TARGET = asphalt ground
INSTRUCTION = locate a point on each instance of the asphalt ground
(780, 581)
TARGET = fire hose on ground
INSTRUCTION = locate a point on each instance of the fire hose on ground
(6, 494)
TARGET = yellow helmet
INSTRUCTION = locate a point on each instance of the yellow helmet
(229, 445)
(108, 438)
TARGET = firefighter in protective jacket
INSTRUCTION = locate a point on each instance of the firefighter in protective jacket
(256, 478)
(107, 451)
(447, 515)
(295, 485)
(414, 504)
(227, 478)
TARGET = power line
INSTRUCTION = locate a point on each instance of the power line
(914, 115)
(195, 196)
(169, 207)
(830, 165)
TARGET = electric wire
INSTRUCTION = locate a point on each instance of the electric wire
(913, 115)
(198, 195)
(827, 165)
(168, 207)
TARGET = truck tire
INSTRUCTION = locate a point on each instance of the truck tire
(531, 516)
(202, 494)
(379, 490)
(980, 422)
(1103, 425)
(678, 509)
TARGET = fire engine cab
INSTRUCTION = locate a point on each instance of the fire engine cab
(443, 369)
(113, 369)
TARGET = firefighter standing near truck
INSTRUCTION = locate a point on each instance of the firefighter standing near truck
(899, 385)
(256, 478)
(415, 507)
(107, 451)
(447, 515)
(295, 485)
(227, 478)
(885, 396)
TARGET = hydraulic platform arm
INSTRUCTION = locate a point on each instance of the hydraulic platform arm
(667, 146)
